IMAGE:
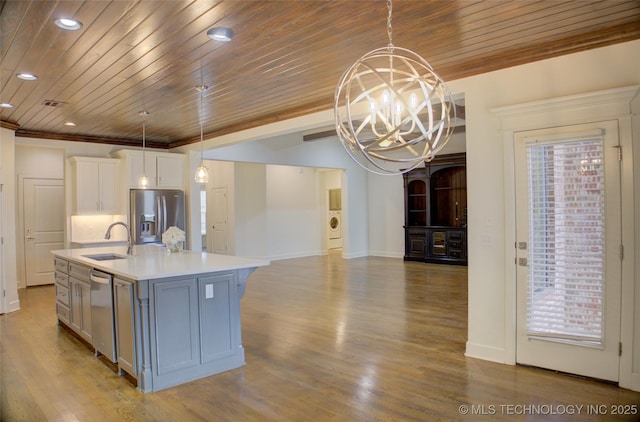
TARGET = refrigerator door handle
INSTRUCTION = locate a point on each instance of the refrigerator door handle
(160, 218)
(164, 210)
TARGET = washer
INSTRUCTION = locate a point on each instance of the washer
(335, 229)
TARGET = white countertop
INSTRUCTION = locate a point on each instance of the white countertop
(98, 243)
(152, 262)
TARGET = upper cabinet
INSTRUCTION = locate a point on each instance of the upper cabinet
(164, 170)
(169, 170)
(94, 185)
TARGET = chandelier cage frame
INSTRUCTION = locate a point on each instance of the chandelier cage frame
(378, 107)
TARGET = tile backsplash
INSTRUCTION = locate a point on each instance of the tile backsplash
(91, 228)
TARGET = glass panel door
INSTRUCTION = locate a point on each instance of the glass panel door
(568, 241)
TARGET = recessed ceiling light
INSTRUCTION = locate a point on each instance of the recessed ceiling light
(69, 124)
(27, 76)
(6, 105)
(220, 34)
(68, 24)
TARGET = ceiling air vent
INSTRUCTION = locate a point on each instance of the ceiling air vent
(53, 103)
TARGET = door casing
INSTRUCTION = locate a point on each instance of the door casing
(38, 272)
(610, 104)
(575, 357)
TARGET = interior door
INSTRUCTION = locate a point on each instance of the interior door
(44, 228)
(568, 249)
(217, 231)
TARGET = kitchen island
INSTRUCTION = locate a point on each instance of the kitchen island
(174, 317)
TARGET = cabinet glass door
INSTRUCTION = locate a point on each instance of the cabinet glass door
(439, 243)
(417, 203)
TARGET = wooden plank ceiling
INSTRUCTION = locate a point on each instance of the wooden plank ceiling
(285, 60)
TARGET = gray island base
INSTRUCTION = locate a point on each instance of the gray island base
(175, 317)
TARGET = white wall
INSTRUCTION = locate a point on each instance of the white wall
(9, 276)
(635, 254)
(490, 323)
(328, 153)
(293, 222)
(386, 216)
(275, 209)
(386, 207)
(250, 190)
(40, 162)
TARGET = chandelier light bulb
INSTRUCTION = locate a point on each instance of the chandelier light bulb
(385, 97)
(413, 101)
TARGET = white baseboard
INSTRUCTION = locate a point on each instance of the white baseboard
(294, 255)
(635, 381)
(479, 351)
(13, 306)
(355, 255)
(386, 254)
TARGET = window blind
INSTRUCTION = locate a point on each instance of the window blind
(566, 240)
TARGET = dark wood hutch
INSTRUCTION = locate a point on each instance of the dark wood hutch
(435, 199)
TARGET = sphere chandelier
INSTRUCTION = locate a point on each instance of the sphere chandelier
(392, 111)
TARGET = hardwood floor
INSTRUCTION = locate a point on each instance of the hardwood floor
(326, 339)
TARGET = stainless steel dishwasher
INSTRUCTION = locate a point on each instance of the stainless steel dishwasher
(102, 323)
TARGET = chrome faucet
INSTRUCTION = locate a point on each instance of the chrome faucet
(107, 235)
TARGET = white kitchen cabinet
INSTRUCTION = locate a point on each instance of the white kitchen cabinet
(164, 169)
(169, 171)
(95, 185)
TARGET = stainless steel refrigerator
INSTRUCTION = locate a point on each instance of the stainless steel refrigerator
(152, 212)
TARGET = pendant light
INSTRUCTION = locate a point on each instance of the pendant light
(392, 111)
(202, 174)
(143, 181)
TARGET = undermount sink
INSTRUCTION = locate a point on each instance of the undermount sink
(105, 257)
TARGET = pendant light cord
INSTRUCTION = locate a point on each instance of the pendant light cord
(390, 8)
(201, 130)
(202, 175)
(201, 109)
(144, 146)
